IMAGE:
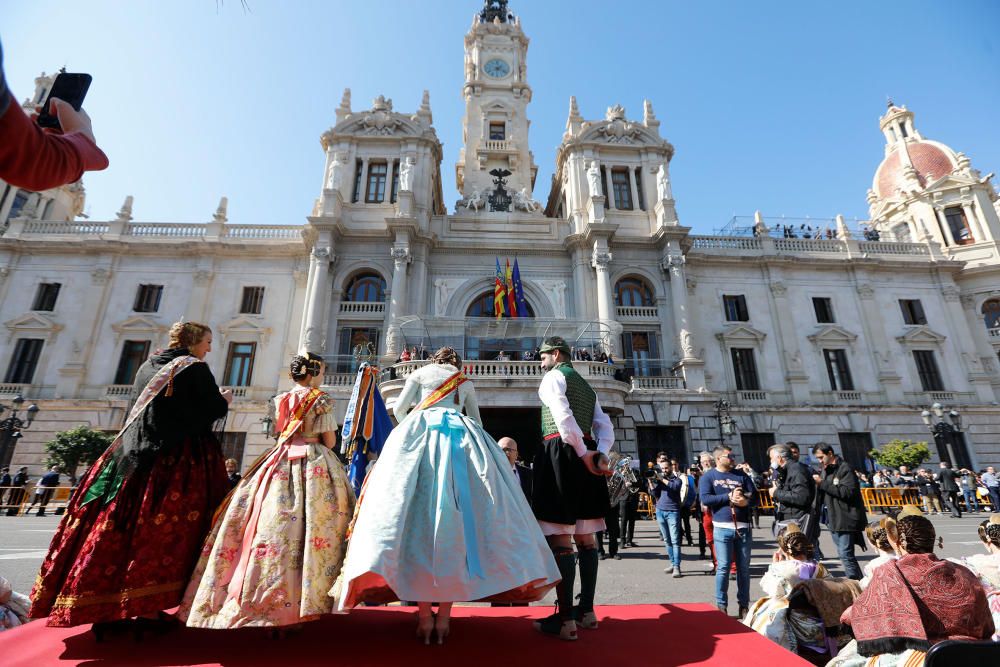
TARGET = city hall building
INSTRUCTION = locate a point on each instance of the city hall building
(776, 330)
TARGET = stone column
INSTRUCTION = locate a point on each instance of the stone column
(974, 227)
(795, 377)
(635, 190)
(397, 299)
(872, 321)
(600, 259)
(314, 316)
(363, 185)
(692, 367)
(581, 281)
(976, 375)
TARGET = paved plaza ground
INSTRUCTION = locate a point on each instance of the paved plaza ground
(637, 578)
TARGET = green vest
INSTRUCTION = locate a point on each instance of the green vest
(581, 397)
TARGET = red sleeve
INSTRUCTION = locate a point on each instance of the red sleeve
(36, 160)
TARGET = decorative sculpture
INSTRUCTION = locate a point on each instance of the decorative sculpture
(594, 179)
(500, 199)
(663, 190)
(406, 175)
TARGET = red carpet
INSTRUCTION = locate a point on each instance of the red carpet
(667, 635)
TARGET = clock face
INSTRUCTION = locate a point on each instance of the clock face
(497, 68)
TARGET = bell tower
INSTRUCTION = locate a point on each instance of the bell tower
(495, 125)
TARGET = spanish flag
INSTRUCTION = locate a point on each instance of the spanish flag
(499, 292)
(511, 295)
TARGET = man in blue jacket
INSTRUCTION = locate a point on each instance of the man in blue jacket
(728, 494)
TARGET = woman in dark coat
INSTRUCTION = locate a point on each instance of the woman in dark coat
(132, 532)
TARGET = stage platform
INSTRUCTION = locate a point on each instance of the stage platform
(664, 635)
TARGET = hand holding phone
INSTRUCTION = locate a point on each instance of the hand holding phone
(70, 89)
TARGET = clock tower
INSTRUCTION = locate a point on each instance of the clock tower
(495, 126)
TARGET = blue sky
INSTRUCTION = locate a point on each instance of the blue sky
(770, 105)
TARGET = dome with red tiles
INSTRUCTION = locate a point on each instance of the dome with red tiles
(931, 161)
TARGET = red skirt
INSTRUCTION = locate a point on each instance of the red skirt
(134, 555)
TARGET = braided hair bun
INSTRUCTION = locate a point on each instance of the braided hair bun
(447, 355)
(305, 365)
(989, 530)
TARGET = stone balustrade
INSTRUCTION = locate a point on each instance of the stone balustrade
(638, 312)
(362, 307)
(663, 383)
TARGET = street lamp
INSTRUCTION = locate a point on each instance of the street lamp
(943, 425)
(727, 425)
(12, 426)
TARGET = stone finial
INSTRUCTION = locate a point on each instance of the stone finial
(574, 121)
(648, 116)
(843, 233)
(220, 213)
(125, 213)
(425, 108)
(344, 110)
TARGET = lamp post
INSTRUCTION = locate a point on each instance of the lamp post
(727, 425)
(944, 432)
(12, 426)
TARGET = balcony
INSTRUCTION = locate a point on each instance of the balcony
(339, 381)
(362, 308)
(994, 333)
(751, 396)
(498, 145)
(514, 383)
(634, 313)
(117, 391)
(658, 383)
(13, 389)
(922, 397)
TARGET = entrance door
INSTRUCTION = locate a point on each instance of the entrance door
(522, 424)
(654, 439)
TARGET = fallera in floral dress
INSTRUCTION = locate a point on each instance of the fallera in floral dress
(277, 548)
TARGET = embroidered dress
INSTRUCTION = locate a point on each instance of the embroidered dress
(442, 516)
(277, 549)
(987, 568)
(132, 531)
(770, 615)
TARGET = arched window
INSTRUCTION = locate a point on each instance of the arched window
(633, 291)
(482, 306)
(991, 313)
(367, 286)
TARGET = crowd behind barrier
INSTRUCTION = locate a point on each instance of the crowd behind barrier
(15, 500)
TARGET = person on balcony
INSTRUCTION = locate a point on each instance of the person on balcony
(570, 494)
(442, 517)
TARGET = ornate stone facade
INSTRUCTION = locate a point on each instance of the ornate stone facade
(839, 337)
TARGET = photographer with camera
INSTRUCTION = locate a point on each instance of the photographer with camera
(665, 488)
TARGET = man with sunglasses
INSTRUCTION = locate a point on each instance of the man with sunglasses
(728, 494)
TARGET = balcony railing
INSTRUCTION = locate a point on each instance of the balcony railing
(994, 332)
(117, 391)
(638, 312)
(498, 145)
(752, 396)
(362, 307)
(921, 397)
(503, 369)
(339, 380)
(658, 383)
(809, 246)
(239, 393)
(13, 389)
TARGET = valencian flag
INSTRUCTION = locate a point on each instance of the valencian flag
(499, 292)
(366, 425)
(511, 300)
(522, 305)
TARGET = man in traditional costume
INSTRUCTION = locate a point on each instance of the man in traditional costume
(570, 492)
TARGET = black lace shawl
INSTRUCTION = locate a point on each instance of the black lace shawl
(167, 421)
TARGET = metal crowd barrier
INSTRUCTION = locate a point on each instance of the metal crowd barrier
(15, 500)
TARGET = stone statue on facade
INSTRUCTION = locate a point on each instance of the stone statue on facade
(406, 175)
(594, 179)
(474, 202)
(334, 175)
(524, 202)
(687, 349)
(663, 190)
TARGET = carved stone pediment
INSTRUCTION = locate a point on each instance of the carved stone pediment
(832, 334)
(735, 334)
(140, 325)
(246, 326)
(920, 335)
(33, 323)
(617, 129)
